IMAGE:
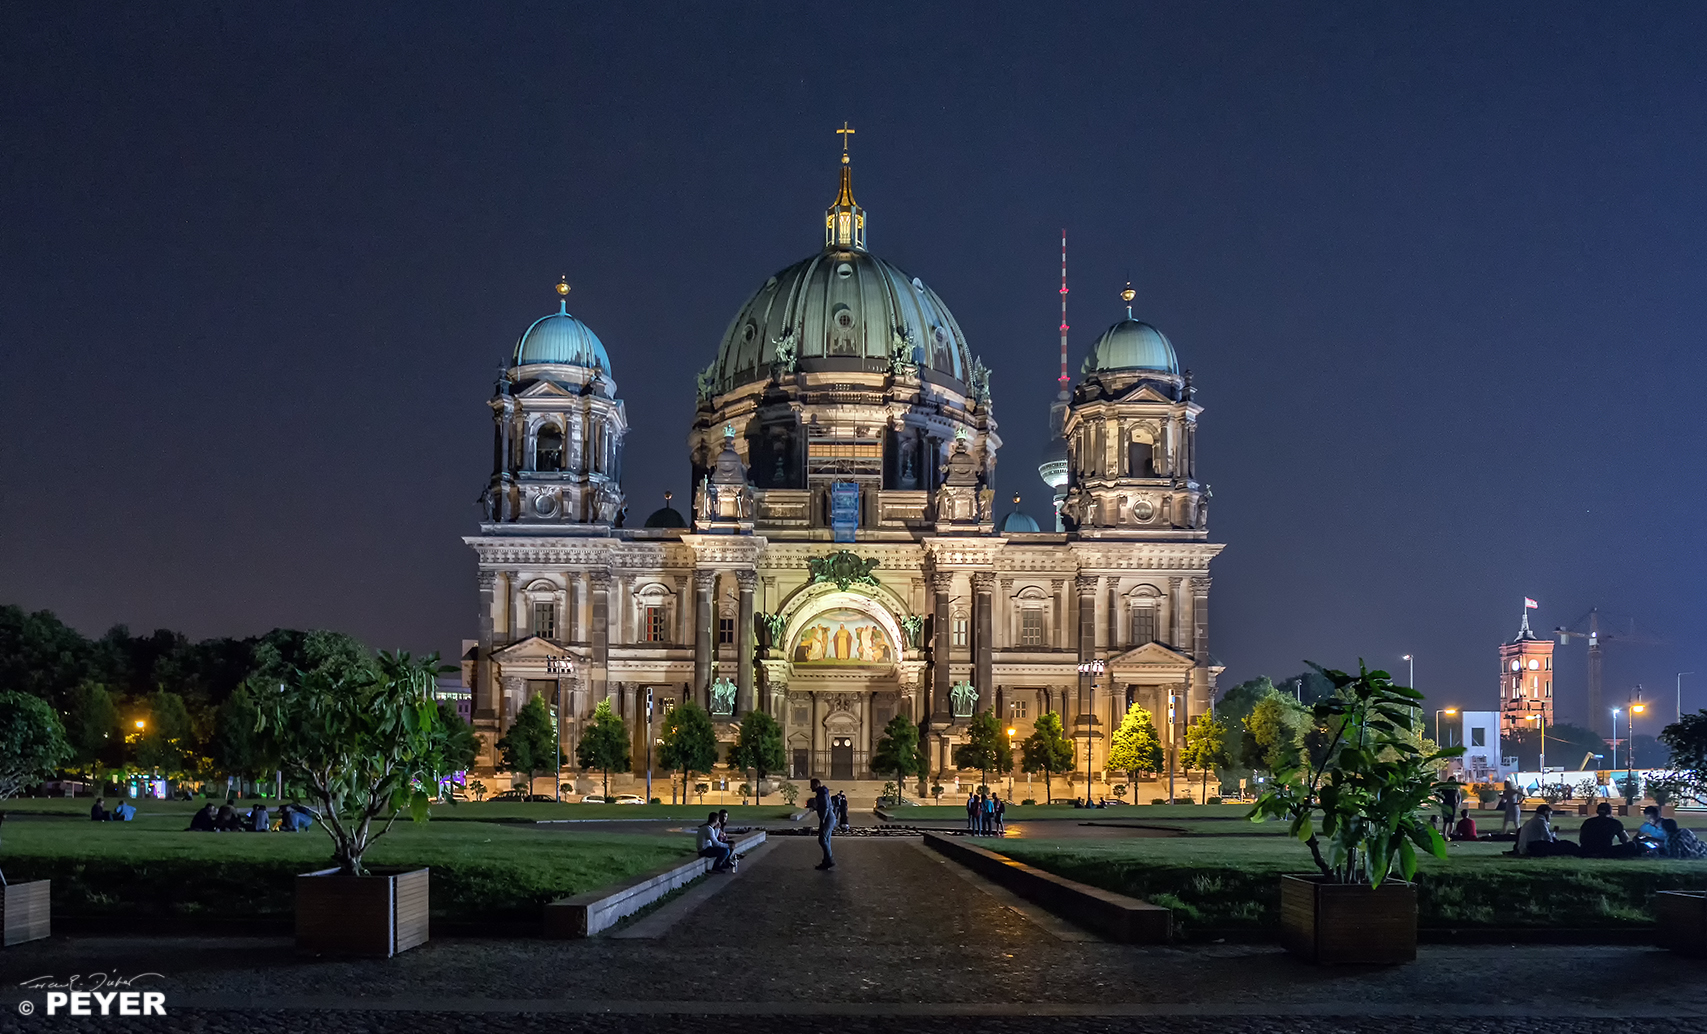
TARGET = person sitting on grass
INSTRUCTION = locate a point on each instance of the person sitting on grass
(1599, 832)
(203, 821)
(294, 818)
(1682, 843)
(227, 821)
(99, 812)
(1650, 831)
(713, 846)
(1466, 827)
(124, 812)
(1536, 839)
(258, 821)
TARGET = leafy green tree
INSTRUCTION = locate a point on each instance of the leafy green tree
(32, 742)
(92, 728)
(366, 742)
(1135, 746)
(283, 652)
(689, 742)
(1047, 750)
(530, 744)
(604, 743)
(1686, 738)
(167, 745)
(42, 656)
(461, 747)
(986, 748)
(236, 743)
(898, 751)
(758, 745)
(1205, 748)
(1277, 726)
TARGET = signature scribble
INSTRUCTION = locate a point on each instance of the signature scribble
(95, 981)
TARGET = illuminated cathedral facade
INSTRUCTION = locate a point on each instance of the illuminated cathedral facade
(842, 560)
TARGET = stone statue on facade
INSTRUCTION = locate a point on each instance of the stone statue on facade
(723, 697)
(963, 699)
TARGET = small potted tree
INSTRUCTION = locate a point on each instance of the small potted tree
(367, 742)
(32, 745)
(1363, 781)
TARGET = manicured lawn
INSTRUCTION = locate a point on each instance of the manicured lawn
(1033, 812)
(1221, 882)
(153, 867)
(480, 810)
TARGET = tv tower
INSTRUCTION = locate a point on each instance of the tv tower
(1053, 469)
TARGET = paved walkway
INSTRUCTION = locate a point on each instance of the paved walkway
(893, 931)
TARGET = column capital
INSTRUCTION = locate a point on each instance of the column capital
(1200, 585)
(1086, 584)
(600, 579)
(704, 580)
(983, 583)
(942, 581)
(747, 581)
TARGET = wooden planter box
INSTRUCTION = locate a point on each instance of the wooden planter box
(1682, 916)
(26, 912)
(1332, 923)
(374, 916)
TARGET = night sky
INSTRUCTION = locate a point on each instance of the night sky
(1438, 271)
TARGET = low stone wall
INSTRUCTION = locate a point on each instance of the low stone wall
(1115, 916)
(586, 915)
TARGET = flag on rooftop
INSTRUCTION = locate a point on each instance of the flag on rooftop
(1529, 604)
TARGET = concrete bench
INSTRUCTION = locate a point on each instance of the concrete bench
(1115, 916)
(595, 911)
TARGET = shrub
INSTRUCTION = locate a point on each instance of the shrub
(1212, 800)
(1158, 800)
(1120, 790)
(1555, 792)
(656, 800)
(1629, 787)
(1665, 787)
(1486, 794)
(1028, 800)
(790, 794)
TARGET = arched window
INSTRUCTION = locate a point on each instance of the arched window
(548, 449)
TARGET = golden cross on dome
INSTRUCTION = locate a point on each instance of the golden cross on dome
(844, 133)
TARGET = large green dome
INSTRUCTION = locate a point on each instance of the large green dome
(1132, 345)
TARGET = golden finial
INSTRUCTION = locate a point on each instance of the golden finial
(1128, 294)
(844, 133)
(668, 495)
(1016, 498)
(563, 287)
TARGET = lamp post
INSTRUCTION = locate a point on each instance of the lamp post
(1010, 763)
(1437, 713)
(1542, 718)
(1636, 708)
(557, 667)
(1094, 669)
(1615, 711)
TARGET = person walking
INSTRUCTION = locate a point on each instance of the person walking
(1511, 808)
(971, 812)
(1001, 815)
(826, 809)
(842, 811)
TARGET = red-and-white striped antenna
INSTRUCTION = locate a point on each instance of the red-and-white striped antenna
(1064, 377)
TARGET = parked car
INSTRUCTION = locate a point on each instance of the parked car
(628, 798)
(593, 798)
(518, 794)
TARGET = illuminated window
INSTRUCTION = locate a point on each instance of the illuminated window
(1031, 626)
(1022, 709)
(1534, 665)
(545, 620)
(1143, 625)
(655, 624)
(959, 631)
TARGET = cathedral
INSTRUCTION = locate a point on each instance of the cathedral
(842, 559)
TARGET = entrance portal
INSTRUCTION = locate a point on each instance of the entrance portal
(841, 758)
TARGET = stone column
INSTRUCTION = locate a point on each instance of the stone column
(484, 707)
(704, 630)
(1087, 586)
(747, 581)
(596, 680)
(942, 584)
(1176, 624)
(1200, 691)
(1058, 594)
(983, 643)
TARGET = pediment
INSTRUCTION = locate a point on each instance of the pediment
(531, 648)
(546, 389)
(1153, 656)
(1144, 393)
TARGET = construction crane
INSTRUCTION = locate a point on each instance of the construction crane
(1596, 641)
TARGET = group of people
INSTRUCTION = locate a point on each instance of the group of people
(1603, 836)
(714, 842)
(986, 814)
(292, 818)
(123, 811)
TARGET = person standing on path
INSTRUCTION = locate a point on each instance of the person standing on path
(1511, 808)
(1001, 808)
(971, 812)
(842, 811)
(826, 809)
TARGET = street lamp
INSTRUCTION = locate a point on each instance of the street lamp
(1542, 718)
(1437, 713)
(1094, 669)
(1010, 763)
(1630, 729)
(1615, 712)
(557, 667)
(1413, 663)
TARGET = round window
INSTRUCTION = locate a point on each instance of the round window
(749, 332)
(844, 319)
(1143, 510)
(844, 270)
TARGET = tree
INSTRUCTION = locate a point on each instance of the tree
(986, 748)
(167, 744)
(365, 740)
(898, 751)
(461, 748)
(1686, 738)
(42, 656)
(1135, 746)
(689, 742)
(92, 727)
(32, 742)
(1047, 750)
(236, 744)
(531, 742)
(1277, 726)
(283, 652)
(604, 743)
(758, 746)
(1205, 748)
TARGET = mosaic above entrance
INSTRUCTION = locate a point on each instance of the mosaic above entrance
(843, 637)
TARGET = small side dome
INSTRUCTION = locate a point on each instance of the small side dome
(1132, 344)
(1016, 522)
(666, 516)
(561, 338)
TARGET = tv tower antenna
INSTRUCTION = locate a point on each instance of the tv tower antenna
(1064, 379)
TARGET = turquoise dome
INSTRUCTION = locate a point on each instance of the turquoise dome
(561, 338)
(1132, 345)
(1017, 522)
(666, 516)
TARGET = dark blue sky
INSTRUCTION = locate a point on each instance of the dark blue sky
(1438, 270)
